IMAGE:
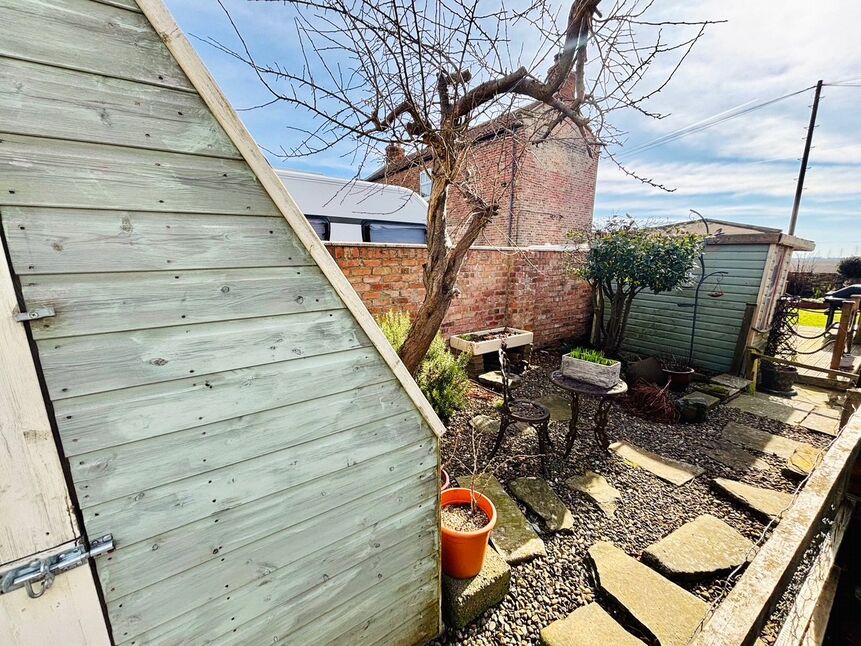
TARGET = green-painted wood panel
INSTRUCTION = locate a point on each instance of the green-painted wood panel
(51, 241)
(88, 36)
(119, 470)
(291, 468)
(83, 365)
(139, 564)
(658, 325)
(58, 173)
(96, 303)
(97, 421)
(317, 558)
(47, 101)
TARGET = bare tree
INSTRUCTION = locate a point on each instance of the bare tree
(421, 74)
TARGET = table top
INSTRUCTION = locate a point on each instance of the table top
(583, 388)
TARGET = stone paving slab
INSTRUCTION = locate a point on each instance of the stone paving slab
(731, 381)
(589, 625)
(493, 380)
(767, 502)
(803, 460)
(674, 471)
(703, 547)
(598, 489)
(763, 407)
(753, 438)
(539, 497)
(669, 612)
(735, 456)
(699, 397)
(513, 537)
(819, 422)
(715, 390)
(559, 406)
(464, 600)
(489, 425)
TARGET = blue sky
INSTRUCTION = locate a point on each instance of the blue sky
(742, 170)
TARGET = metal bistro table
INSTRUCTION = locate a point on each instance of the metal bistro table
(605, 399)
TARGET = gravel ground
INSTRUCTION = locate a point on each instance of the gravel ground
(549, 588)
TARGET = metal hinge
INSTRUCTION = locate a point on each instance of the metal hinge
(32, 315)
(42, 571)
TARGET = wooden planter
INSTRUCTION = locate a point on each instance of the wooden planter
(515, 338)
(591, 373)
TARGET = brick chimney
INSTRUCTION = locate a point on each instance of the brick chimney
(568, 88)
(394, 154)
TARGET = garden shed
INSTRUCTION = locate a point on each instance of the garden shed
(730, 306)
(185, 370)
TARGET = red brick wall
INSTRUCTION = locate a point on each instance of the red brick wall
(522, 288)
(554, 188)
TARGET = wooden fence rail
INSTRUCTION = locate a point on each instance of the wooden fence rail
(739, 619)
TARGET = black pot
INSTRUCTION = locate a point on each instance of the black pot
(679, 379)
(777, 379)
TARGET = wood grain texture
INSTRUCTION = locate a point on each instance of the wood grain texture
(46, 101)
(63, 33)
(35, 503)
(224, 113)
(83, 365)
(285, 570)
(98, 421)
(137, 565)
(59, 173)
(122, 470)
(153, 511)
(97, 303)
(63, 241)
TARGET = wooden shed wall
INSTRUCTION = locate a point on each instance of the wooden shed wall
(657, 325)
(224, 416)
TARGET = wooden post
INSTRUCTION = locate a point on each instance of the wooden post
(847, 312)
(754, 374)
(743, 339)
(850, 335)
(850, 405)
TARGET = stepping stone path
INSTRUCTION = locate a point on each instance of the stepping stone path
(536, 494)
(598, 489)
(513, 537)
(767, 502)
(670, 613)
(698, 397)
(803, 460)
(735, 456)
(489, 425)
(822, 422)
(767, 406)
(463, 600)
(715, 390)
(589, 625)
(702, 547)
(678, 473)
(559, 406)
(753, 438)
(493, 380)
(731, 382)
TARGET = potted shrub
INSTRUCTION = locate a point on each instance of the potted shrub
(679, 374)
(468, 517)
(591, 367)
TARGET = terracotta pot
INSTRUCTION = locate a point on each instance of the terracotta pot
(463, 552)
(679, 379)
(444, 482)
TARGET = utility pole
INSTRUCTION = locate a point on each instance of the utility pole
(804, 157)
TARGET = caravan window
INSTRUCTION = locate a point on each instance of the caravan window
(394, 232)
(320, 225)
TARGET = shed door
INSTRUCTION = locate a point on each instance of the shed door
(36, 519)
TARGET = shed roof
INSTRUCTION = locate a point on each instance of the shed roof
(727, 232)
(334, 197)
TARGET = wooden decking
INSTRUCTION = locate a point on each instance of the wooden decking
(821, 358)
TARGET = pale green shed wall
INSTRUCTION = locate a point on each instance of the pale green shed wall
(657, 325)
(264, 474)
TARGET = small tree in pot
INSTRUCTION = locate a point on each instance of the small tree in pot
(624, 259)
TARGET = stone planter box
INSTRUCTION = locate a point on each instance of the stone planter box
(477, 345)
(591, 373)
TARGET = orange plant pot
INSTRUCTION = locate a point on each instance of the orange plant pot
(463, 552)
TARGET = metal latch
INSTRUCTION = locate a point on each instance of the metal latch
(42, 571)
(32, 315)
